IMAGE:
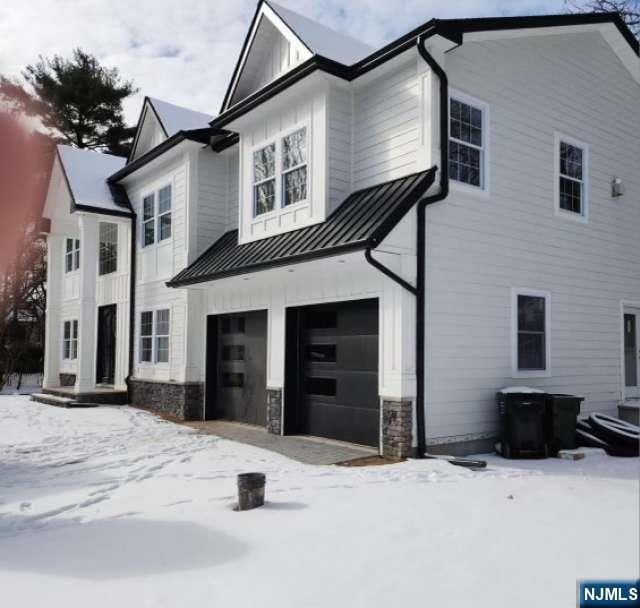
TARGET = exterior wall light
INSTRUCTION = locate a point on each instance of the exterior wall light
(617, 187)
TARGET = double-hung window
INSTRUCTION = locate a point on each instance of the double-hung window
(108, 253)
(467, 143)
(571, 174)
(531, 328)
(72, 255)
(70, 340)
(280, 173)
(156, 216)
(154, 336)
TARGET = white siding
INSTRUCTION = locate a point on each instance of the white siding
(213, 186)
(340, 119)
(479, 248)
(387, 127)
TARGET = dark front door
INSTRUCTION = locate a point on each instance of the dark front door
(106, 353)
(237, 367)
(337, 380)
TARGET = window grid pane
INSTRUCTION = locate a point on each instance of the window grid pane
(294, 186)
(108, 255)
(162, 322)
(264, 197)
(264, 163)
(164, 228)
(294, 149)
(531, 333)
(164, 199)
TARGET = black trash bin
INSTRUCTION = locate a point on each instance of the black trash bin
(522, 424)
(561, 415)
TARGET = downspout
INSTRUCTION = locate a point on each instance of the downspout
(421, 241)
(419, 291)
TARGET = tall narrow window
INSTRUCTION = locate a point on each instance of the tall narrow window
(571, 177)
(146, 337)
(72, 255)
(467, 143)
(70, 340)
(108, 258)
(294, 167)
(148, 220)
(264, 183)
(531, 332)
(164, 213)
(162, 336)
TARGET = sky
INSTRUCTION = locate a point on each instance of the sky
(184, 52)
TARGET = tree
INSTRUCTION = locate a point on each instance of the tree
(25, 161)
(629, 10)
(79, 101)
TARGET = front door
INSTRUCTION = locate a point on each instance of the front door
(106, 354)
(631, 333)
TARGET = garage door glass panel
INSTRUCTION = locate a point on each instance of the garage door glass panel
(232, 380)
(321, 353)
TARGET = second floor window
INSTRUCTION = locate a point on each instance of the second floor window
(280, 176)
(571, 178)
(156, 216)
(466, 143)
(70, 340)
(108, 254)
(72, 255)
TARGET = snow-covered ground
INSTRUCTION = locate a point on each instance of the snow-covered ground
(115, 507)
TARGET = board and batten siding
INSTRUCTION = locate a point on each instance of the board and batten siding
(386, 133)
(479, 248)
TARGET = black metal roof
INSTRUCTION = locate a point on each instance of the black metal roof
(363, 220)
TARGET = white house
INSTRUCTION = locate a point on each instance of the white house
(365, 244)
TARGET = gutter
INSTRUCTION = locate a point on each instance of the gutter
(419, 290)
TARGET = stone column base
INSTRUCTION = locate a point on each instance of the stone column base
(274, 410)
(397, 423)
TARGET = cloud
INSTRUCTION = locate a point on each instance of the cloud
(185, 52)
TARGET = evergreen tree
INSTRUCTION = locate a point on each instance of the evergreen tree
(80, 101)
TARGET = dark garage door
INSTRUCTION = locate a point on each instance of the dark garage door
(337, 380)
(237, 367)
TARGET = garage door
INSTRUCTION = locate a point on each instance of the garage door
(338, 379)
(240, 367)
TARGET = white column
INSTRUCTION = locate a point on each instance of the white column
(123, 310)
(53, 346)
(86, 376)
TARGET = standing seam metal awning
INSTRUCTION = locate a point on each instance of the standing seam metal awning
(363, 220)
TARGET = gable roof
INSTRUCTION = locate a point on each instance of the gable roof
(313, 38)
(322, 40)
(363, 220)
(175, 118)
(86, 173)
(451, 29)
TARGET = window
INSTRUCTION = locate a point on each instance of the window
(288, 156)
(531, 321)
(156, 223)
(294, 167)
(72, 255)
(70, 340)
(264, 183)
(467, 143)
(571, 173)
(108, 254)
(154, 336)
(164, 213)
(162, 336)
(148, 220)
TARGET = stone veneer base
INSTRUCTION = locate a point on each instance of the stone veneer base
(397, 424)
(184, 400)
(274, 410)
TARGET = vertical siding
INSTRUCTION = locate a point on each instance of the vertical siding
(386, 127)
(340, 120)
(479, 248)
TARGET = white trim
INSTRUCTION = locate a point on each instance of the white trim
(484, 190)
(528, 373)
(582, 217)
(278, 205)
(153, 336)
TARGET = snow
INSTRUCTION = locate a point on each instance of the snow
(87, 172)
(114, 506)
(322, 40)
(521, 390)
(176, 118)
